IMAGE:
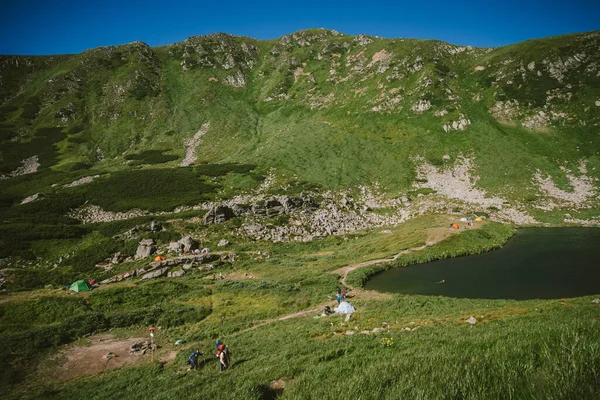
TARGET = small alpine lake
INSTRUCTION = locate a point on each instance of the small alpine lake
(537, 263)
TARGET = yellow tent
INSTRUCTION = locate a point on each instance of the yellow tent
(478, 219)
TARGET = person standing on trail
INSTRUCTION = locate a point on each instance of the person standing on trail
(193, 360)
(339, 298)
(222, 355)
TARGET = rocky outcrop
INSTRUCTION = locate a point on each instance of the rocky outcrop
(32, 198)
(421, 106)
(218, 214)
(81, 181)
(190, 152)
(458, 125)
(237, 80)
(171, 262)
(188, 244)
(145, 248)
(176, 274)
(157, 273)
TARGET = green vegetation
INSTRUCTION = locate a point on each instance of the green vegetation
(312, 112)
(150, 157)
(527, 349)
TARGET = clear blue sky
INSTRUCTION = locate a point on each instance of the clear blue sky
(68, 26)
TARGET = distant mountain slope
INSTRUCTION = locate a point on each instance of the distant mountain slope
(320, 106)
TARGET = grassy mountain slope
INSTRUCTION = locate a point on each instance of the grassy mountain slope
(365, 129)
(391, 96)
(317, 109)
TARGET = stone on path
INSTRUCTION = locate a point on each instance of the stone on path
(471, 320)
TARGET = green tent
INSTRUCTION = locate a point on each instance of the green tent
(80, 286)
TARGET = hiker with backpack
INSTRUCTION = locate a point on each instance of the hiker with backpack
(222, 355)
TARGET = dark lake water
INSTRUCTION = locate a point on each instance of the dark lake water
(537, 263)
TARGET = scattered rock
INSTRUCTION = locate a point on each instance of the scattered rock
(349, 333)
(92, 213)
(421, 106)
(596, 301)
(223, 243)
(140, 348)
(471, 321)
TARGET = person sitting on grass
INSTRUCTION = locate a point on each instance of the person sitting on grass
(193, 360)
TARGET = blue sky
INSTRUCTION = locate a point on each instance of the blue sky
(67, 26)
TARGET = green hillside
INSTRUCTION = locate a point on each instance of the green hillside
(302, 148)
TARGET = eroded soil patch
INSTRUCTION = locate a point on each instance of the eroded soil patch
(90, 360)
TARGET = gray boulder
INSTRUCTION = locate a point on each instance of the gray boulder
(175, 247)
(188, 243)
(176, 274)
(223, 243)
(145, 248)
(160, 272)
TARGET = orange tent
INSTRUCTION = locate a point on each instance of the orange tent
(454, 226)
(159, 258)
